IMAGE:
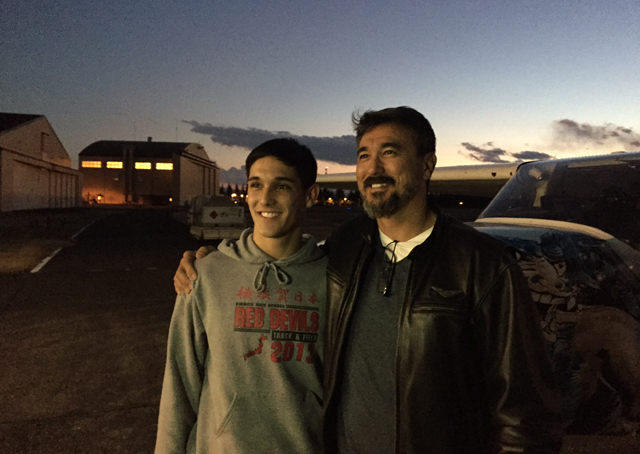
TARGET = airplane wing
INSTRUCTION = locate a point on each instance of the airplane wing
(482, 180)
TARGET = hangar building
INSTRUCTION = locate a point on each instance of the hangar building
(149, 173)
(35, 168)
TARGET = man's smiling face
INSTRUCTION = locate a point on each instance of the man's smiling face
(389, 171)
(276, 199)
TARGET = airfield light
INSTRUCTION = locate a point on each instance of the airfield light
(170, 199)
(461, 203)
(99, 197)
(234, 195)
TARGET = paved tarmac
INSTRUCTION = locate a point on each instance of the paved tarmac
(82, 342)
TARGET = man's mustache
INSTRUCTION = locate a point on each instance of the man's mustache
(378, 179)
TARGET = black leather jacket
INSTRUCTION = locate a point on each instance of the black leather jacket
(472, 373)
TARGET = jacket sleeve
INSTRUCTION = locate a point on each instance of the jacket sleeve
(183, 377)
(521, 391)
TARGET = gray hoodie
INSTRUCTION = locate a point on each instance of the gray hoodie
(243, 371)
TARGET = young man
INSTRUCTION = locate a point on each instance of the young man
(432, 341)
(245, 346)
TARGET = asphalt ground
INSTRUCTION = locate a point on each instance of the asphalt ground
(82, 341)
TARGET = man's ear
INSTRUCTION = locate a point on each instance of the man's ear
(429, 163)
(312, 195)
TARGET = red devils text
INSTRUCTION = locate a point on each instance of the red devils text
(279, 319)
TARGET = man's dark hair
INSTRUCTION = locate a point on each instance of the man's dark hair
(423, 132)
(290, 152)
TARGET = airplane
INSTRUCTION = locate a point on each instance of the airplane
(573, 225)
(468, 180)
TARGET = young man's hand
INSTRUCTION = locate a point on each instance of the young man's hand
(186, 273)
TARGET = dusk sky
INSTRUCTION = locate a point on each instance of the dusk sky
(495, 78)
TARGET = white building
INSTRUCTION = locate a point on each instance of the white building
(35, 168)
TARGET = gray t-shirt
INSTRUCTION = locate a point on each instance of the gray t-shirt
(366, 415)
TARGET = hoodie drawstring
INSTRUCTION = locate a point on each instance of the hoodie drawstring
(260, 281)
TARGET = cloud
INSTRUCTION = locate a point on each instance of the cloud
(340, 149)
(489, 153)
(233, 175)
(531, 156)
(584, 134)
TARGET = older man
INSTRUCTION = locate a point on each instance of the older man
(432, 341)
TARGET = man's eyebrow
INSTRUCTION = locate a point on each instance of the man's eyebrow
(290, 180)
(395, 145)
(257, 178)
(391, 145)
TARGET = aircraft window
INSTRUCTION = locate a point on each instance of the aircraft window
(604, 195)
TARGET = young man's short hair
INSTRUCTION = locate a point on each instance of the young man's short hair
(290, 152)
(406, 116)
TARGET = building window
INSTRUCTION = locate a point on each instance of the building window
(114, 164)
(143, 165)
(164, 166)
(92, 164)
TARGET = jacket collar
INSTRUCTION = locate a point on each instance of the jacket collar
(435, 239)
(370, 229)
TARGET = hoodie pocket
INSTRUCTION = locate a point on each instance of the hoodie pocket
(272, 421)
(228, 416)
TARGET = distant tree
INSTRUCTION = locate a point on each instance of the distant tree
(354, 196)
(324, 195)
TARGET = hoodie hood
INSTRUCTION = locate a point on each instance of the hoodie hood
(245, 250)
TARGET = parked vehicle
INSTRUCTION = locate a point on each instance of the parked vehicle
(574, 227)
(215, 218)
